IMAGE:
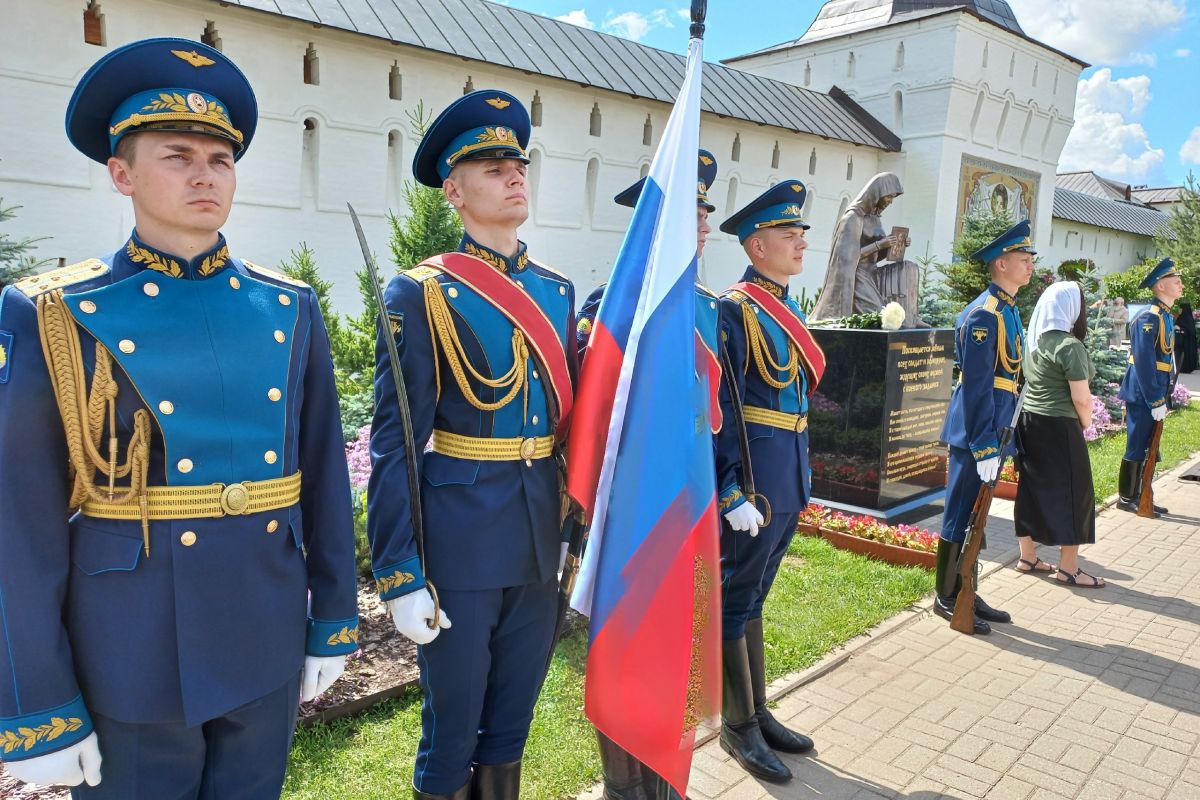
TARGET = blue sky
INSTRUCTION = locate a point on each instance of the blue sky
(1137, 109)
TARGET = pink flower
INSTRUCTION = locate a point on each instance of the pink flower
(358, 458)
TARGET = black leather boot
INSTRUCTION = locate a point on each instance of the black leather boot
(461, 793)
(946, 585)
(622, 772)
(496, 781)
(740, 734)
(656, 787)
(1129, 488)
(776, 735)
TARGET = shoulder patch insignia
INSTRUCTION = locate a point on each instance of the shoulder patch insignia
(1147, 326)
(62, 277)
(979, 334)
(272, 273)
(6, 344)
(422, 272)
(396, 319)
(584, 325)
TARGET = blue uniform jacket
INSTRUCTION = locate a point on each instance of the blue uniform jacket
(1151, 357)
(488, 524)
(779, 457)
(233, 364)
(988, 345)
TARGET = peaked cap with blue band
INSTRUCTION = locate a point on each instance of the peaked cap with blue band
(1164, 269)
(707, 175)
(164, 84)
(484, 124)
(781, 206)
(1014, 240)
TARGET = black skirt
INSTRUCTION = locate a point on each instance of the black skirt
(1056, 502)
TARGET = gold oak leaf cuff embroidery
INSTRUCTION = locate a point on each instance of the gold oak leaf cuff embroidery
(25, 738)
(394, 581)
(346, 635)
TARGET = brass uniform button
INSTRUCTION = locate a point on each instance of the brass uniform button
(274, 394)
(87, 307)
(270, 457)
(284, 300)
(166, 407)
(535, 375)
(187, 539)
(234, 282)
(184, 465)
(534, 420)
(280, 337)
(272, 526)
(126, 346)
(151, 289)
(562, 290)
(452, 292)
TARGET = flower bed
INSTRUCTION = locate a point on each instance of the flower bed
(906, 545)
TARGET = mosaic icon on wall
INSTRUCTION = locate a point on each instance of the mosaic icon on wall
(986, 185)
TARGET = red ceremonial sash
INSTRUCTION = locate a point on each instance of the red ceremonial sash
(708, 364)
(812, 357)
(526, 315)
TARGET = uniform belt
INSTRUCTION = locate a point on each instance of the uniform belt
(476, 448)
(213, 500)
(1006, 384)
(1163, 366)
(776, 419)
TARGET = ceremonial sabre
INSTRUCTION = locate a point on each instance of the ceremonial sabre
(410, 447)
(963, 620)
(739, 422)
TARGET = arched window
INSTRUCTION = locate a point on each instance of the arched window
(842, 206)
(395, 82)
(93, 24)
(210, 36)
(851, 63)
(731, 195)
(645, 170)
(900, 56)
(810, 195)
(736, 154)
(898, 110)
(807, 74)
(308, 163)
(595, 121)
(775, 156)
(1003, 122)
(589, 199)
(395, 162)
(312, 66)
(812, 162)
(978, 110)
(535, 110)
(648, 131)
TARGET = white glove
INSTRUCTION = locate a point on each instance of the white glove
(988, 469)
(562, 556)
(70, 767)
(1159, 413)
(319, 674)
(412, 614)
(744, 518)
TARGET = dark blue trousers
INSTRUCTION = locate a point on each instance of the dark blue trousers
(240, 756)
(962, 489)
(481, 679)
(748, 569)
(1139, 427)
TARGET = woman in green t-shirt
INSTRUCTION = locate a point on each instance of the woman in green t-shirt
(1056, 503)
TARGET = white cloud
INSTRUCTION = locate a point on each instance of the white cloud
(1099, 31)
(1190, 152)
(1107, 136)
(1183, 52)
(577, 17)
(633, 25)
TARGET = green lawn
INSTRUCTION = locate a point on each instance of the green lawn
(822, 599)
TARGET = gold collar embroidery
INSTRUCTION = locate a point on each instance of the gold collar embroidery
(771, 286)
(472, 249)
(169, 266)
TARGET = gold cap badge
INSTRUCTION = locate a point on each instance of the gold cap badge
(705, 160)
(498, 103)
(193, 58)
(797, 187)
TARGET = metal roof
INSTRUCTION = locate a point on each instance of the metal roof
(1165, 194)
(843, 17)
(507, 37)
(1091, 183)
(1116, 215)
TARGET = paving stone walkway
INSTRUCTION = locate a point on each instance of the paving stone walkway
(1090, 694)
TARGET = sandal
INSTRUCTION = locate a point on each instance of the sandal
(1032, 566)
(1097, 583)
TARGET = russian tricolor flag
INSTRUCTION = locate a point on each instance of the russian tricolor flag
(641, 465)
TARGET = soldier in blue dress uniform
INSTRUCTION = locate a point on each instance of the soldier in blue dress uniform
(482, 388)
(774, 378)
(626, 778)
(989, 342)
(177, 553)
(1146, 387)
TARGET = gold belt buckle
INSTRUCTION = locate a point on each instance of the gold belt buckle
(801, 423)
(235, 497)
(528, 448)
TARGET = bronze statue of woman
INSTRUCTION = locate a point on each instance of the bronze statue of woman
(860, 278)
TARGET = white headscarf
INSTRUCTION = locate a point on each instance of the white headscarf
(1056, 310)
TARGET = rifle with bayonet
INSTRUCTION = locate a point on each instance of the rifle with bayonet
(963, 619)
(1146, 495)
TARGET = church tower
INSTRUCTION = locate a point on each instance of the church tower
(982, 107)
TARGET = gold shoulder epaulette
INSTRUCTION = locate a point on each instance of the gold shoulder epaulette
(736, 295)
(62, 277)
(551, 270)
(422, 272)
(700, 287)
(274, 274)
(1153, 309)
